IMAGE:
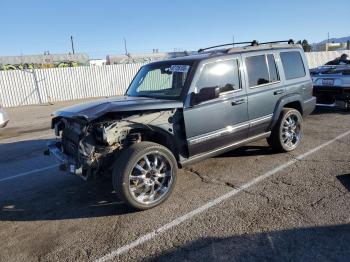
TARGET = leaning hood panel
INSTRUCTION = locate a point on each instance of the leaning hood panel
(95, 109)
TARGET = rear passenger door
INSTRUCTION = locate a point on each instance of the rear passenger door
(264, 89)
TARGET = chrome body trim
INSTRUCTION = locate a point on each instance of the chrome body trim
(309, 100)
(229, 130)
(223, 149)
(327, 105)
(225, 131)
(260, 120)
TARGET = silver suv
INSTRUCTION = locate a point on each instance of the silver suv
(183, 110)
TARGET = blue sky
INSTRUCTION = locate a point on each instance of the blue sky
(98, 27)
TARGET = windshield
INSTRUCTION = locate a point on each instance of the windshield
(163, 80)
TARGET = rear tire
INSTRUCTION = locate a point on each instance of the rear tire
(144, 175)
(287, 133)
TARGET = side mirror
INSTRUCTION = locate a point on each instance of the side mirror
(205, 94)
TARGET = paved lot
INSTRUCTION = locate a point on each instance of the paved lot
(246, 205)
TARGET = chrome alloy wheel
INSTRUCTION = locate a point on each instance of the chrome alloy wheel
(151, 178)
(291, 131)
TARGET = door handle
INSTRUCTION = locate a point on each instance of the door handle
(238, 102)
(278, 92)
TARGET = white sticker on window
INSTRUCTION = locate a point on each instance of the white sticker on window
(179, 68)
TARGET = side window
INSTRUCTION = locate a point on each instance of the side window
(258, 74)
(261, 70)
(223, 74)
(292, 64)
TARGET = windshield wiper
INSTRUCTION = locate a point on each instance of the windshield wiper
(141, 96)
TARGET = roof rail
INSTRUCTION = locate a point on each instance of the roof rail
(252, 43)
(290, 42)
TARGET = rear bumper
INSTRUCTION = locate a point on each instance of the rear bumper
(332, 96)
(309, 106)
(66, 163)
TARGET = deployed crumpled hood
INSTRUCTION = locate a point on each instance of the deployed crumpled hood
(95, 109)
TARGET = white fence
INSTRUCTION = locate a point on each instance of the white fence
(18, 88)
(316, 59)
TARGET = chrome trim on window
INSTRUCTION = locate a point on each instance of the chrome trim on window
(263, 85)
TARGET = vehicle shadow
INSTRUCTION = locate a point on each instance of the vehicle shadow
(250, 150)
(53, 195)
(50, 194)
(345, 180)
(70, 198)
(330, 243)
(329, 110)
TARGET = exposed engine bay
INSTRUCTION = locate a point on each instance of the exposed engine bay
(88, 146)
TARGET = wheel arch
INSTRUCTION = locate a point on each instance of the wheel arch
(289, 101)
(159, 136)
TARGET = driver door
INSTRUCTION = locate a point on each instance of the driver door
(221, 121)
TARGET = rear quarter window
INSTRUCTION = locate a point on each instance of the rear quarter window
(293, 64)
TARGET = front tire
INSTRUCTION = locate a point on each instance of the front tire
(144, 175)
(287, 133)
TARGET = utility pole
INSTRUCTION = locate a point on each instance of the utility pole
(233, 40)
(72, 43)
(126, 49)
(327, 41)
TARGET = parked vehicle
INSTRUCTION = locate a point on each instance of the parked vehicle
(4, 118)
(332, 85)
(180, 111)
(342, 60)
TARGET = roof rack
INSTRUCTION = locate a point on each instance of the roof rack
(251, 43)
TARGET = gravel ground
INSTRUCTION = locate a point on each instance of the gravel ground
(301, 212)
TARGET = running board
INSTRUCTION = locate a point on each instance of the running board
(222, 150)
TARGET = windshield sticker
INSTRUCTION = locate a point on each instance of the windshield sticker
(179, 68)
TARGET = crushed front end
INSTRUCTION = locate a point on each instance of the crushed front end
(82, 147)
(89, 147)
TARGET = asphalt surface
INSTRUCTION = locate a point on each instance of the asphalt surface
(299, 211)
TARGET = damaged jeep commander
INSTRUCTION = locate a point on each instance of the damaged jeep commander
(182, 110)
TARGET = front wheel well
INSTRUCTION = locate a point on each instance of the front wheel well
(158, 137)
(295, 105)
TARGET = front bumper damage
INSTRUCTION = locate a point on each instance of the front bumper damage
(67, 164)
